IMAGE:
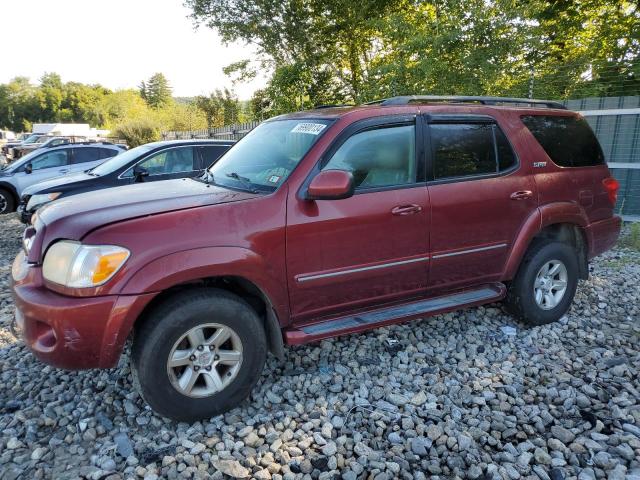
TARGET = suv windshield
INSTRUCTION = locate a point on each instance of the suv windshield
(31, 138)
(266, 156)
(121, 160)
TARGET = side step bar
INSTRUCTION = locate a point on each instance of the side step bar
(393, 314)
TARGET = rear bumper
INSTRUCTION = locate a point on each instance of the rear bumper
(603, 235)
(72, 332)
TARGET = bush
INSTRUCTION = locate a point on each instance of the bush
(138, 132)
(632, 238)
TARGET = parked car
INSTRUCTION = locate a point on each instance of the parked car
(49, 163)
(146, 163)
(317, 224)
(48, 142)
(7, 148)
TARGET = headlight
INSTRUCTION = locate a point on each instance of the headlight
(37, 200)
(82, 266)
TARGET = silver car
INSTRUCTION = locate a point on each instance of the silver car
(45, 164)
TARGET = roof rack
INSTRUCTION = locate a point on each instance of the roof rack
(332, 105)
(406, 99)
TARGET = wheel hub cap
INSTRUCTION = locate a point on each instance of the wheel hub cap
(205, 360)
(550, 284)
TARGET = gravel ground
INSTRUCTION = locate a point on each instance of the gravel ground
(472, 394)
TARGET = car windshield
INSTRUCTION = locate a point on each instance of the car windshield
(31, 139)
(121, 160)
(43, 139)
(264, 158)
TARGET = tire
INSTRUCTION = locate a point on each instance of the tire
(521, 298)
(160, 334)
(7, 202)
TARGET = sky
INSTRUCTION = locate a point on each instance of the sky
(117, 43)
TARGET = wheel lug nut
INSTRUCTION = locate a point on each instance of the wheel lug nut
(200, 347)
(216, 357)
(192, 358)
(209, 367)
(196, 368)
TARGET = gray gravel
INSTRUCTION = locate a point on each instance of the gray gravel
(472, 394)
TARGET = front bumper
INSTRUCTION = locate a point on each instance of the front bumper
(72, 332)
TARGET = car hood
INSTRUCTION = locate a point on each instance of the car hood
(58, 184)
(75, 216)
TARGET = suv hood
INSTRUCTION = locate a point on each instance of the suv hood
(75, 216)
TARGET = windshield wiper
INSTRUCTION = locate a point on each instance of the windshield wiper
(244, 181)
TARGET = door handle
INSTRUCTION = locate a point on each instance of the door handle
(521, 195)
(64, 170)
(406, 209)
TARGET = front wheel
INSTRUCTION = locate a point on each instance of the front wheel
(198, 354)
(545, 284)
(7, 203)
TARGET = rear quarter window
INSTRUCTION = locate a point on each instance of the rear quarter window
(568, 141)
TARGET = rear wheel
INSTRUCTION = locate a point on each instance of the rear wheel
(198, 354)
(545, 285)
(7, 203)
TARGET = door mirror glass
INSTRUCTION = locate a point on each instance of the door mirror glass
(139, 173)
(28, 168)
(331, 185)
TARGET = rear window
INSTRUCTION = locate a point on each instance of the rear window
(569, 141)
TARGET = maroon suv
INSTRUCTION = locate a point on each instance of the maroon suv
(316, 224)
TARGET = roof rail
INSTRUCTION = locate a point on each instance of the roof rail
(332, 105)
(406, 99)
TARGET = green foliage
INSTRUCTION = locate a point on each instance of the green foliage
(220, 108)
(22, 103)
(156, 91)
(138, 132)
(331, 51)
(632, 237)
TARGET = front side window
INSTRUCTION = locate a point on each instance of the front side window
(469, 149)
(265, 157)
(166, 162)
(50, 160)
(568, 141)
(381, 157)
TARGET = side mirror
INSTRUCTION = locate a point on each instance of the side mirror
(331, 185)
(139, 173)
(28, 168)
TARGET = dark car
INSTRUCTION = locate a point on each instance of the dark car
(147, 163)
(317, 224)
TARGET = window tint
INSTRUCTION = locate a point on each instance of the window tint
(378, 158)
(173, 160)
(86, 154)
(211, 154)
(506, 157)
(108, 152)
(569, 141)
(50, 160)
(462, 149)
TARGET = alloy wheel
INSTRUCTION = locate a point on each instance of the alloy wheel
(550, 284)
(205, 360)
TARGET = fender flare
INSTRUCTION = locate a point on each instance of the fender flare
(544, 216)
(189, 266)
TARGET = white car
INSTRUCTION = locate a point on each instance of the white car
(45, 164)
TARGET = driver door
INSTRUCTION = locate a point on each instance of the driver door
(371, 248)
(43, 167)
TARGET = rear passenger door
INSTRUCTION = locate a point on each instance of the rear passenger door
(479, 197)
(209, 154)
(84, 158)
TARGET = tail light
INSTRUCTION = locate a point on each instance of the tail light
(611, 185)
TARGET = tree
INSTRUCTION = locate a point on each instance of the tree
(156, 91)
(220, 108)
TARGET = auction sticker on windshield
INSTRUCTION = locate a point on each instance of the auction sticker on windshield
(310, 128)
